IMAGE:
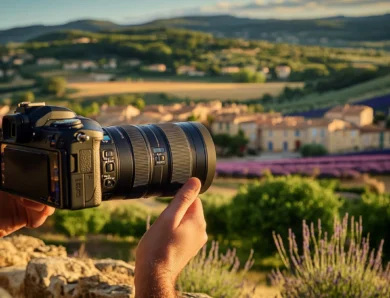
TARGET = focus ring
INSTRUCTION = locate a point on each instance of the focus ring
(181, 152)
(141, 153)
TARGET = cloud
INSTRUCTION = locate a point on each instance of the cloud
(297, 8)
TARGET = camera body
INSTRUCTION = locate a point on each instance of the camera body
(50, 155)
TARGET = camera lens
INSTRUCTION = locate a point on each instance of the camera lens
(155, 159)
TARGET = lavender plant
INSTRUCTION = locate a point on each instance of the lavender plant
(215, 274)
(340, 265)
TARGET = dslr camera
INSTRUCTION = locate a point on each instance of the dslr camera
(54, 157)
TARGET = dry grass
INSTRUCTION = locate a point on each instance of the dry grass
(192, 90)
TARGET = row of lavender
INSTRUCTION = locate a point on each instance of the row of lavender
(326, 167)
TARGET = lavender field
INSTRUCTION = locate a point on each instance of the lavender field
(326, 167)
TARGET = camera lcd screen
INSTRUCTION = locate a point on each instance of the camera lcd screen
(27, 173)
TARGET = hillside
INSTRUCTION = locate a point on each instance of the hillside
(22, 34)
(336, 31)
(332, 31)
(374, 93)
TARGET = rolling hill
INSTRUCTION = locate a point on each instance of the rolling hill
(336, 31)
(22, 34)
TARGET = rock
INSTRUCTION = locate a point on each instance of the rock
(98, 287)
(19, 250)
(50, 273)
(4, 294)
(12, 280)
(10, 256)
(26, 243)
(121, 271)
(48, 276)
(194, 295)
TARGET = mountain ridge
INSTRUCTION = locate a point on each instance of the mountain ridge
(337, 29)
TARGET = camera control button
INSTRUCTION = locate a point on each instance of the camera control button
(109, 183)
(108, 153)
(109, 167)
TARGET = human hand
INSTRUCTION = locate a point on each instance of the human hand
(17, 213)
(170, 243)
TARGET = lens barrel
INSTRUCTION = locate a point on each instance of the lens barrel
(155, 160)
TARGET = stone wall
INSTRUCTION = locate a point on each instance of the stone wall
(31, 269)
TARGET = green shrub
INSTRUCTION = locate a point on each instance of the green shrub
(81, 222)
(249, 76)
(214, 274)
(216, 213)
(312, 150)
(375, 210)
(127, 221)
(55, 86)
(275, 204)
(340, 265)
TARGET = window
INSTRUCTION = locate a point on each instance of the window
(314, 132)
(270, 133)
(297, 133)
(220, 125)
(322, 133)
(286, 133)
(353, 133)
(227, 126)
(270, 146)
(253, 137)
(285, 146)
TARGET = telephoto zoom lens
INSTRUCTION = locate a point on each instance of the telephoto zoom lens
(155, 160)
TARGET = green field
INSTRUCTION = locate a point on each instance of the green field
(377, 87)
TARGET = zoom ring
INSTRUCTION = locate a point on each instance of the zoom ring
(181, 152)
(141, 153)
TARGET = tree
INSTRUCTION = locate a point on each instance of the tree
(56, 86)
(256, 108)
(277, 204)
(248, 76)
(311, 150)
(231, 145)
(140, 104)
(193, 117)
(27, 97)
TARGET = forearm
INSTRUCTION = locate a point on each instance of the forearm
(154, 285)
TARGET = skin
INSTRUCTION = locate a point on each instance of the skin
(165, 249)
(170, 243)
(17, 213)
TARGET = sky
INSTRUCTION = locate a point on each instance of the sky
(16, 13)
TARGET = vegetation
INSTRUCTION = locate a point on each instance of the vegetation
(375, 210)
(127, 221)
(80, 223)
(27, 97)
(55, 86)
(121, 221)
(338, 265)
(313, 150)
(248, 76)
(215, 274)
(277, 203)
(231, 145)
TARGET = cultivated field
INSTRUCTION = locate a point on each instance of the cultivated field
(192, 90)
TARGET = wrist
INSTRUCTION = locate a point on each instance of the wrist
(154, 283)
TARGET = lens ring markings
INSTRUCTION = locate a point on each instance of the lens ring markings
(181, 152)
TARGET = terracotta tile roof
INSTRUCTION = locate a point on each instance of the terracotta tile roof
(349, 109)
(372, 128)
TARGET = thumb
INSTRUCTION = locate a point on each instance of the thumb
(183, 200)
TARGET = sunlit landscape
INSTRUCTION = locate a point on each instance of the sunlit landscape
(298, 107)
